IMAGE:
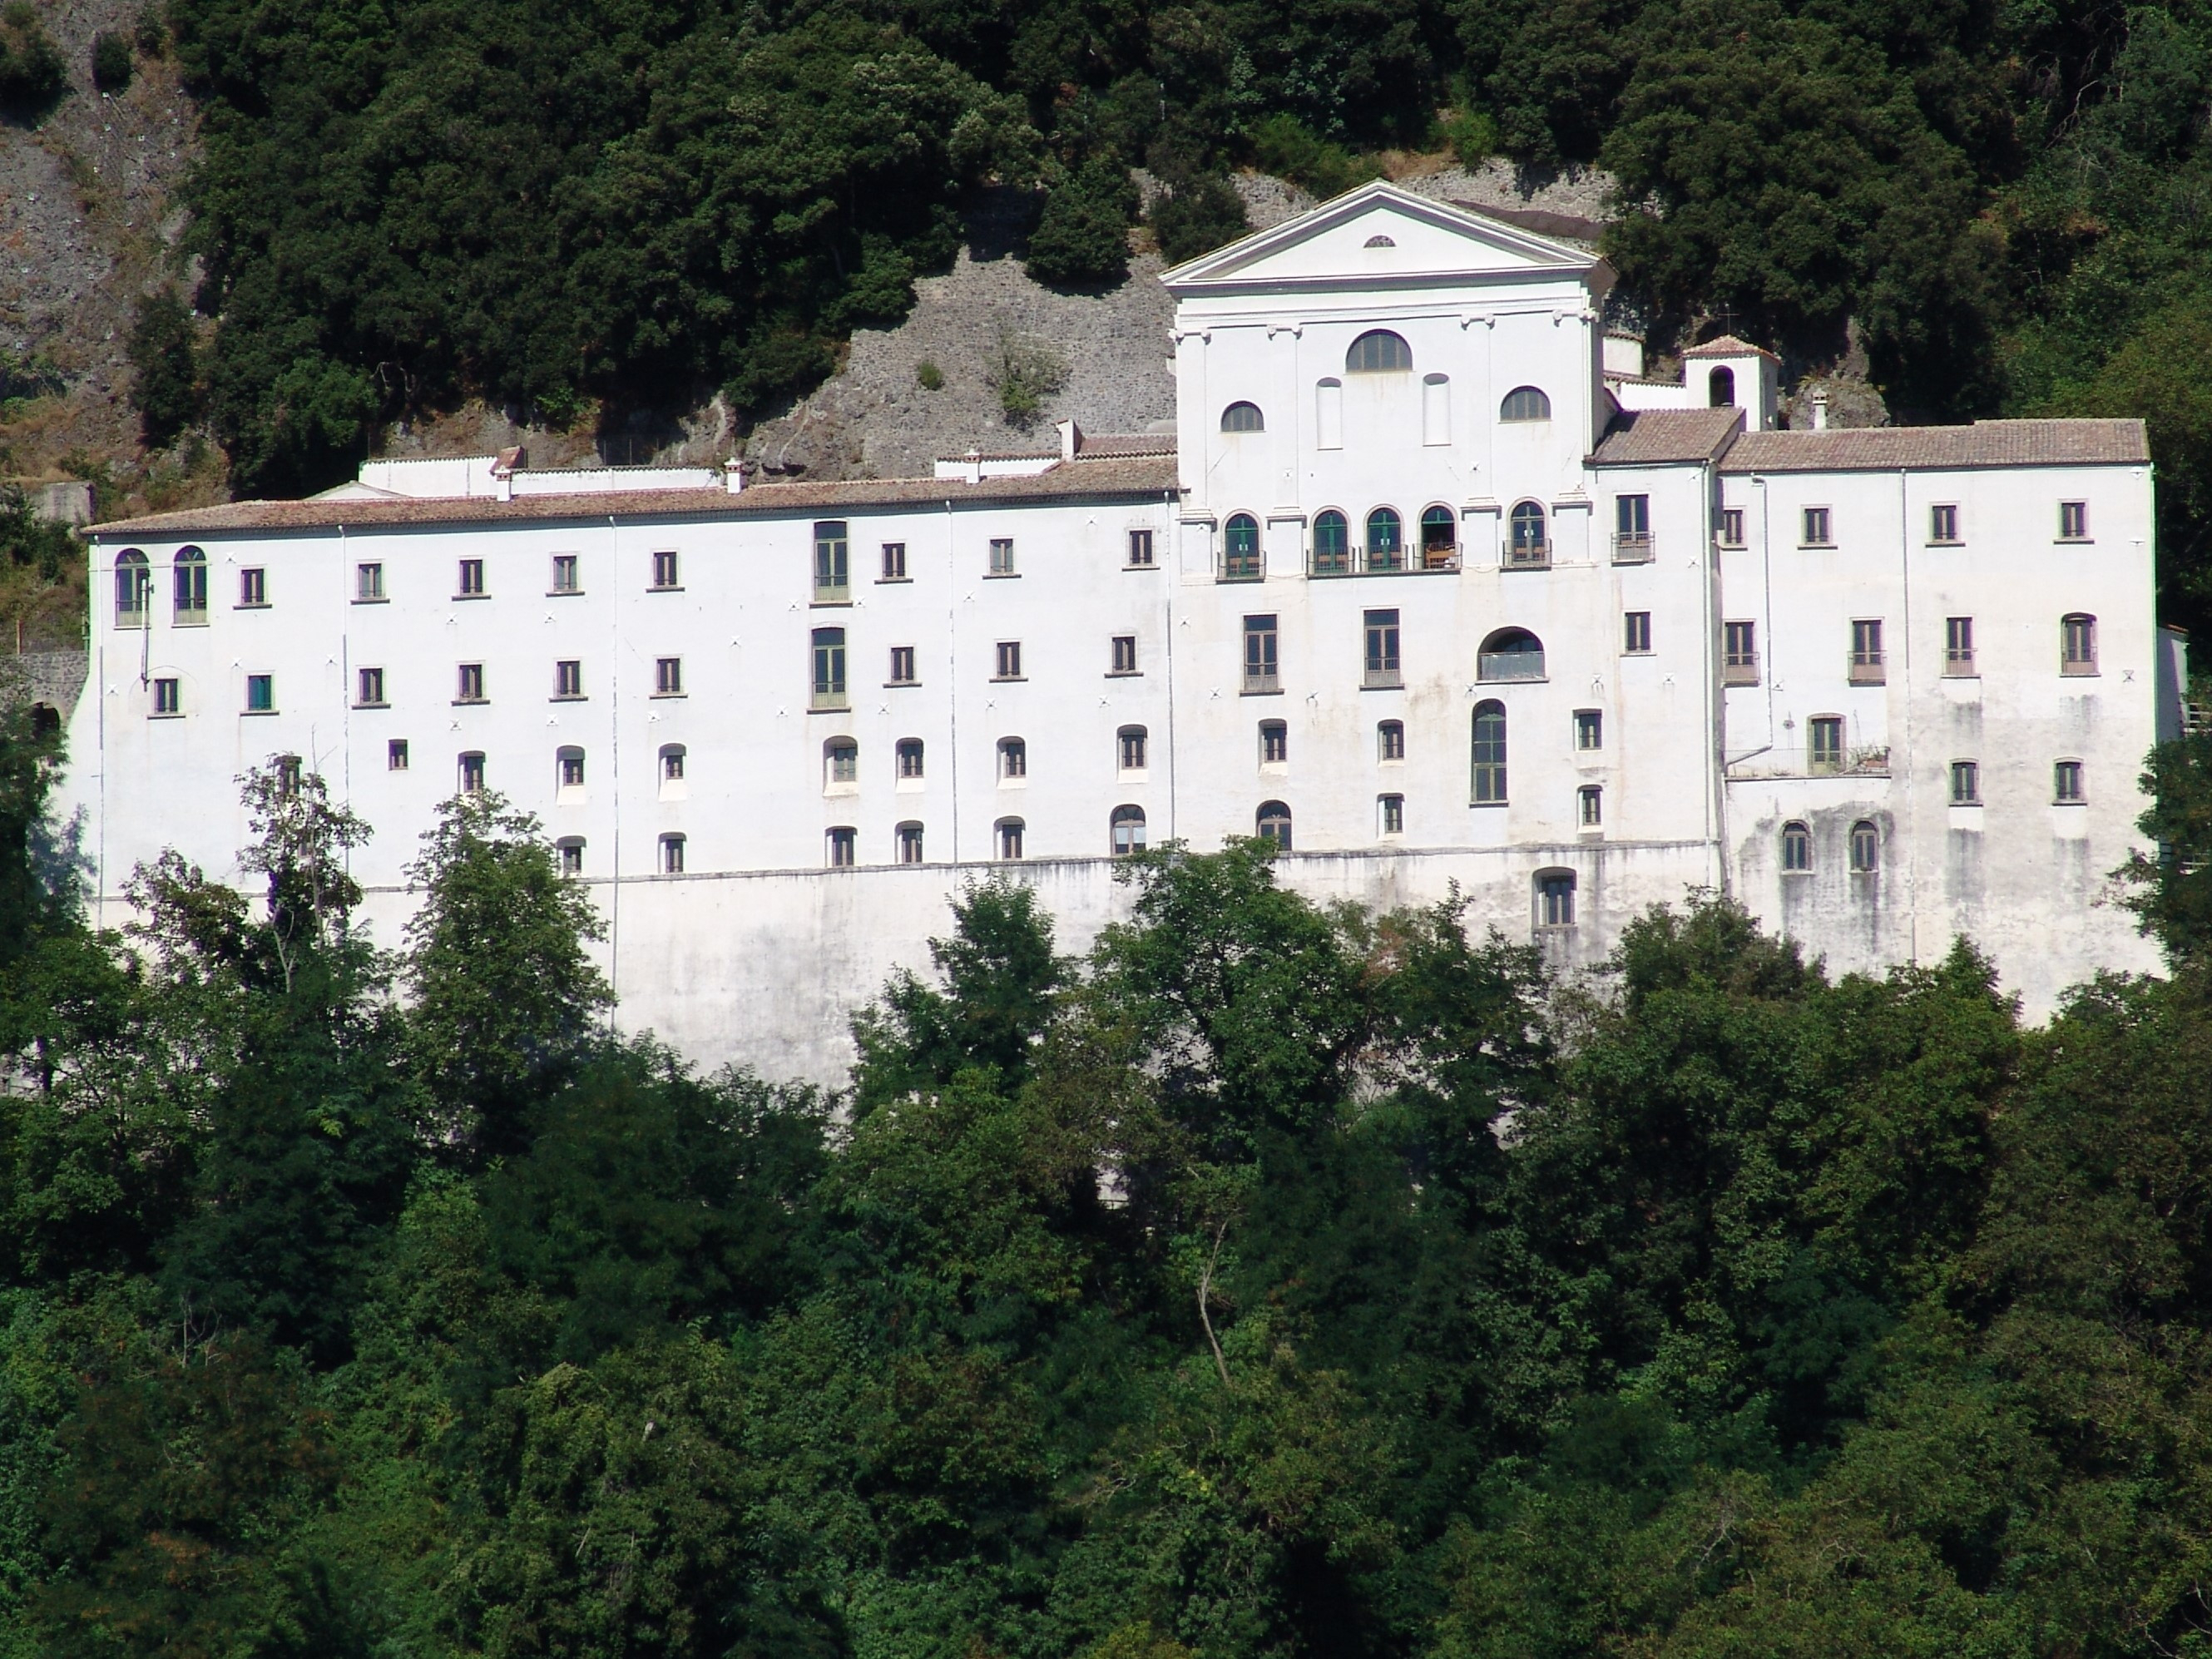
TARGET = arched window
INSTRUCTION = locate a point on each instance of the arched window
(1128, 830)
(1720, 388)
(1555, 898)
(1242, 417)
(1011, 834)
(191, 585)
(1385, 539)
(841, 846)
(1489, 786)
(1014, 760)
(672, 786)
(1332, 543)
(1511, 654)
(1528, 544)
(1240, 549)
(1439, 536)
(2078, 644)
(908, 751)
(1378, 352)
(132, 578)
(572, 854)
(1129, 747)
(841, 763)
(568, 770)
(473, 773)
(1378, 241)
(1866, 849)
(1796, 849)
(1273, 822)
(671, 855)
(909, 839)
(1525, 402)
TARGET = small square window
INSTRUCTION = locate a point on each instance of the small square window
(1965, 783)
(2073, 521)
(369, 582)
(2066, 783)
(169, 698)
(1590, 806)
(370, 688)
(566, 578)
(1010, 659)
(471, 579)
(902, 664)
(1731, 526)
(1275, 743)
(1002, 564)
(395, 754)
(1124, 654)
(671, 855)
(260, 693)
(909, 843)
(469, 683)
(1390, 815)
(843, 844)
(253, 588)
(1943, 522)
(663, 570)
(571, 858)
(1589, 729)
(894, 562)
(1390, 740)
(1816, 528)
(1014, 758)
(668, 676)
(1140, 549)
(1636, 633)
(569, 680)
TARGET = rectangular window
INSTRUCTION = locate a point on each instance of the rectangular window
(1010, 838)
(571, 858)
(902, 664)
(1866, 666)
(1555, 900)
(1632, 528)
(1636, 632)
(1131, 743)
(1002, 556)
(910, 757)
(1390, 740)
(469, 683)
(2073, 521)
(566, 580)
(1589, 729)
(844, 847)
(1825, 734)
(395, 754)
(668, 676)
(909, 843)
(1124, 654)
(1959, 645)
(1739, 653)
(472, 774)
(1965, 783)
(471, 579)
(833, 575)
(663, 570)
(167, 699)
(260, 693)
(844, 761)
(370, 688)
(1731, 526)
(2077, 645)
(671, 855)
(568, 680)
(1816, 528)
(1943, 522)
(1014, 758)
(1261, 665)
(368, 583)
(2066, 783)
(1140, 549)
(1275, 743)
(829, 668)
(672, 764)
(253, 589)
(1590, 806)
(1381, 630)
(1010, 659)
(894, 562)
(572, 768)
(1390, 814)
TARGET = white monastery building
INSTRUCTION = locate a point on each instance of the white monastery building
(1429, 585)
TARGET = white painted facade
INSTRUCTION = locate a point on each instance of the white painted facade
(749, 944)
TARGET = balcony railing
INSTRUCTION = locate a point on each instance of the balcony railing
(1959, 664)
(1510, 665)
(1631, 548)
(2077, 665)
(1384, 561)
(1867, 671)
(1255, 681)
(1383, 679)
(832, 592)
(1528, 556)
(1741, 670)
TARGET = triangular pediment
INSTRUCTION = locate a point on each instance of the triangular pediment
(1378, 235)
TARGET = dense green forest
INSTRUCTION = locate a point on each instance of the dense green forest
(583, 207)
(1272, 1281)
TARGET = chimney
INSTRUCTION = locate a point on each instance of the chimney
(973, 472)
(504, 466)
(1819, 412)
(733, 475)
(1071, 439)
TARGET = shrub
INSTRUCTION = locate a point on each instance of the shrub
(929, 376)
(1196, 215)
(1027, 372)
(1083, 236)
(152, 31)
(32, 77)
(166, 387)
(775, 368)
(111, 61)
(1472, 136)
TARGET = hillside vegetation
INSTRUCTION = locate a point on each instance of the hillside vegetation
(1272, 1281)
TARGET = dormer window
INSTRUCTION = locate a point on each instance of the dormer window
(1242, 417)
(1525, 402)
(1378, 352)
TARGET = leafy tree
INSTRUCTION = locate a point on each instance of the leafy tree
(33, 77)
(167, 387)
(1195, 215)
(1083, 235)
(111, 61)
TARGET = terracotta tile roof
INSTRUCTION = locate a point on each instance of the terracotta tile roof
(1141, 475)
(1641, 437)
(1729, 345)
(1939, 448)
(1125, 443)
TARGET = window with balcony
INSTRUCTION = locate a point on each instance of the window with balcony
(1381, 628)
(2078, 644)
(1489, 762)
(829, 668)
(1439, 538)
(1386, 544)
(1631, 529)
(1511, 654)
(1824, 737)
(190, 572)
(1272, 823)
(1528, 545)
(1866, 665)
(1261, 660)
(1240, 549)
(1958, 646)
(1739, 653)
(1332, 543)
(833, 569)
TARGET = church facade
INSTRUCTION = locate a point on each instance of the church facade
(1430, 585)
